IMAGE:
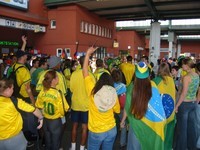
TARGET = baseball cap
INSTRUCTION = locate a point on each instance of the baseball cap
(21, 53)
(53, 61)
(142, 70)
(105, 98)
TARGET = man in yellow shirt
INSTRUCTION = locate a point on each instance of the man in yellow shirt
(54, 63)
(128, 69)
(100, 69)
(23, 79)
(79, 106)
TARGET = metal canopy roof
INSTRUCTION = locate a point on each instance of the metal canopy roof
(119, 10)
(122, 10)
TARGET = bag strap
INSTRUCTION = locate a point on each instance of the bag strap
(15, 102)
(62, 101)
(15, 70)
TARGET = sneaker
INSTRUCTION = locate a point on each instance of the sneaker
(30, 144)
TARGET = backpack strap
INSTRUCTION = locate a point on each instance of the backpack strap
(15, 102)
(15, 70)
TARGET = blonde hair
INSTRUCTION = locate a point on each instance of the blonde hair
(163, 71)
(188, 61)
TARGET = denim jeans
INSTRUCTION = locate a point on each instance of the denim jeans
(29, 126)
(186, 126)
(52, 130)
(198, 125)
(123, 132)
(133, 143)
(105, 139)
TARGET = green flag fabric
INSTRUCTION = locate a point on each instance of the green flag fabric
(150, 129)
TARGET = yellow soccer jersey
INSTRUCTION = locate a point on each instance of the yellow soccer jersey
(67, 74)
(51, 102)
(80, 99)
(128, 71)
(99, 72)
(10, 119)
(62, 85)
(99, 121)
(23, 76)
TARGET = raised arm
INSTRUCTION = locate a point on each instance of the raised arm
(86, 60)
(24, 40)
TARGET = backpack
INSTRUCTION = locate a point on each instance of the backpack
(17, 87)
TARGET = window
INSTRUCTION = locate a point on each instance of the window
(68, 52)
(59, 52)
(53, 24)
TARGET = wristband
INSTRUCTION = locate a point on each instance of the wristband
(41, 118)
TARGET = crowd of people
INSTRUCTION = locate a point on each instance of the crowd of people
(148, 110)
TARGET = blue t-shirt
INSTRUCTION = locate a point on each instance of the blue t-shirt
(120, 88)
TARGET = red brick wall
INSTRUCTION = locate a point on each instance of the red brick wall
(130, 38)
(191, 46)
(67, 32)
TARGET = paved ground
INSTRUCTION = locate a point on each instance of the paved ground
(66, 140)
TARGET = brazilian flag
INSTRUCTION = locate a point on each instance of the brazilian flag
(167, 90)
(150, 129)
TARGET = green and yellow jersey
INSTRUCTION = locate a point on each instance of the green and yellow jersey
(99, 72)
(23, 76)
(52, 102)
(80, 99)
(62, 85)
(128, 71)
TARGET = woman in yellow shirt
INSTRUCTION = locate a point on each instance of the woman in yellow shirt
(54, 105)
(103, 103)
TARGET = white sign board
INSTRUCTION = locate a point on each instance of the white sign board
(22, 4)
(21, 25)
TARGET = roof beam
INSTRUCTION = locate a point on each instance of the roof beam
(117, 8)
(141, 5)
(152, 8)
(166, 14)
(178, 2)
